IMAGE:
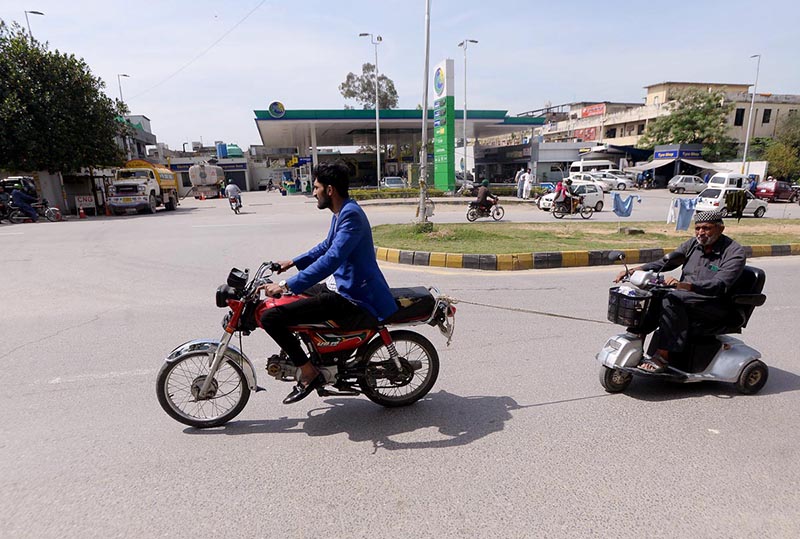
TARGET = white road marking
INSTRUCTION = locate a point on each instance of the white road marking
(101, 376)
(713, 431)
(11, 233)
(260, 223)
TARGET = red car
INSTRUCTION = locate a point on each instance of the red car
(776, 190)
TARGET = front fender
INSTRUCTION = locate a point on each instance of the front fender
(209, 346)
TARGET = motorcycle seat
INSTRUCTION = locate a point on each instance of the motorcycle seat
(414, 303)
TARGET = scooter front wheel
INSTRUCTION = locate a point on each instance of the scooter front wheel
(178, 389)
(752, 378)
(614, 380)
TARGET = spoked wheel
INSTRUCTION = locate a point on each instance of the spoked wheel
(178, 389)
(53, 214)
(498, 212)
(17, 217)
(753, 378)
(385, 385)
(472, 214)
(586, 212)
(558, 211)
(614, 380)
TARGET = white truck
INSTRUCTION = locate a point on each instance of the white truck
(142, 186)
(206, 180)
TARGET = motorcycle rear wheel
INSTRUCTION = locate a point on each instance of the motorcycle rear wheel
(382, 383)
(498, 212)
(17, 217)
(177, 385)
(472, 214)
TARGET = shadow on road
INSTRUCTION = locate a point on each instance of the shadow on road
(453, 420)
(644, 389)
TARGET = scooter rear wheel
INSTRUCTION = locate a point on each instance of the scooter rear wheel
(614, 380)
(752, 378)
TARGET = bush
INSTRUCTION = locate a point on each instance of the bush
(373, 194)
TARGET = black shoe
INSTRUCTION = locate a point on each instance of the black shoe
(301, 391)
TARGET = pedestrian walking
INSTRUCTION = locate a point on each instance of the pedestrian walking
(518, 181)
(527, 181)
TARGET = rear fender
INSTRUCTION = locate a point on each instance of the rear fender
(209, 347)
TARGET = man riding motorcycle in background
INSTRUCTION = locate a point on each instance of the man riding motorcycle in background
(23, 196)
(484, 194)
(232, 190)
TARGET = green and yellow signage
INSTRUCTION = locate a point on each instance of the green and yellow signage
(444, 140)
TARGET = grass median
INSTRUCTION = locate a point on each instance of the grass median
(507, 238)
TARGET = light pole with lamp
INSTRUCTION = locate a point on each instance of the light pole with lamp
(30, 34)
(375, 40)
(423, 171)
(750, 117)
(465, 44)
(119, 82)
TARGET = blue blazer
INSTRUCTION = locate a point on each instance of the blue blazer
(349, 254)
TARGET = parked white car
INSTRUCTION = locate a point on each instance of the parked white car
(612, 180)
(393, 182)
(713, 199)
(592, 196)
(686, 184)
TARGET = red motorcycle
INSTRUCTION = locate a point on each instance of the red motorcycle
(206, 383)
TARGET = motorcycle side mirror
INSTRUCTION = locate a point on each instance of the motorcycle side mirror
(614, 256)
(674, 257)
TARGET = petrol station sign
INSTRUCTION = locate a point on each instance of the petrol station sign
(444, 140)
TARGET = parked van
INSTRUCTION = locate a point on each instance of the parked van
(590, 165)
(728, 179)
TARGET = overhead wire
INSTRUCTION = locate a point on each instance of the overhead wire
(203, 52)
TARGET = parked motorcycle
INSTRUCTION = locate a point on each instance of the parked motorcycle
(235, 204)
(43, 209)
(475, 211)
(206, 383)
(560, 209)
(711, 355)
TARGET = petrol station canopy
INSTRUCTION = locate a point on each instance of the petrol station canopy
(349, 127)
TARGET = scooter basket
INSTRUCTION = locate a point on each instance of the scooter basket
(628, 307)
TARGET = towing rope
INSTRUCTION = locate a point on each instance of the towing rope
(531, 311)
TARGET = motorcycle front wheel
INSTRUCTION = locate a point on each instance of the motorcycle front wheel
(472, 214)
(384, 385)
(498, 212)
(586, 212)
(53, 214)
(178, 386)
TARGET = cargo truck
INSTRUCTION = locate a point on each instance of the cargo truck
(142, 186)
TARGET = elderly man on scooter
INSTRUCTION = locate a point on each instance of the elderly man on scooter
(712, 263)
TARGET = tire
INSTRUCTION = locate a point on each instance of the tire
(760, 211)
(17, 217)
(498, 212)
(680, 190)
(793, 199)
(53, 214)
(586, 212)
(614, 380)
(598, 206)
(558, 211)
(621, 186)
(171, 204)
(151, 204)
(176, 382)
(404, 390)
(472, 215)
(724, 212)
(752, 378)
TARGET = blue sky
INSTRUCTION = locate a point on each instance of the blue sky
(529, 52)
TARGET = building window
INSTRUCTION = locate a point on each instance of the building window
(611, 133)
(767, 116)
(640, 129)
(738, 121)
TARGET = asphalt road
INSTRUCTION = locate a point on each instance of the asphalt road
(517, 438)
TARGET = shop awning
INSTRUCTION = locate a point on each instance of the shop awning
(699, 163)
(655, 163)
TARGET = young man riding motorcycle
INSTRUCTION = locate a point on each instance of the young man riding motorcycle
(484, 194)
(355, 293)
(712, 264)
(232, 190)
(23, 196)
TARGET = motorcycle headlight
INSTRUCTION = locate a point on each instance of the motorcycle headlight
(224, 293)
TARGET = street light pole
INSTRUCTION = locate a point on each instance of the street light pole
(750, 116)
(119, 81)
(30, 34)
(376, 41)
(423, 171)
(464, 44)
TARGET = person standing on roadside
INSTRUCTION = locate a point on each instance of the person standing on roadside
(519, 182)
(527, 181)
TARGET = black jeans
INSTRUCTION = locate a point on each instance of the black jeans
(322, 305)
(680, 313)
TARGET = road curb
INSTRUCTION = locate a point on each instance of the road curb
(549, 260)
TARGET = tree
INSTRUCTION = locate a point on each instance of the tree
(783, 160)
(696, 116)
(362, 89)
(789, 131)
(53, 113)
